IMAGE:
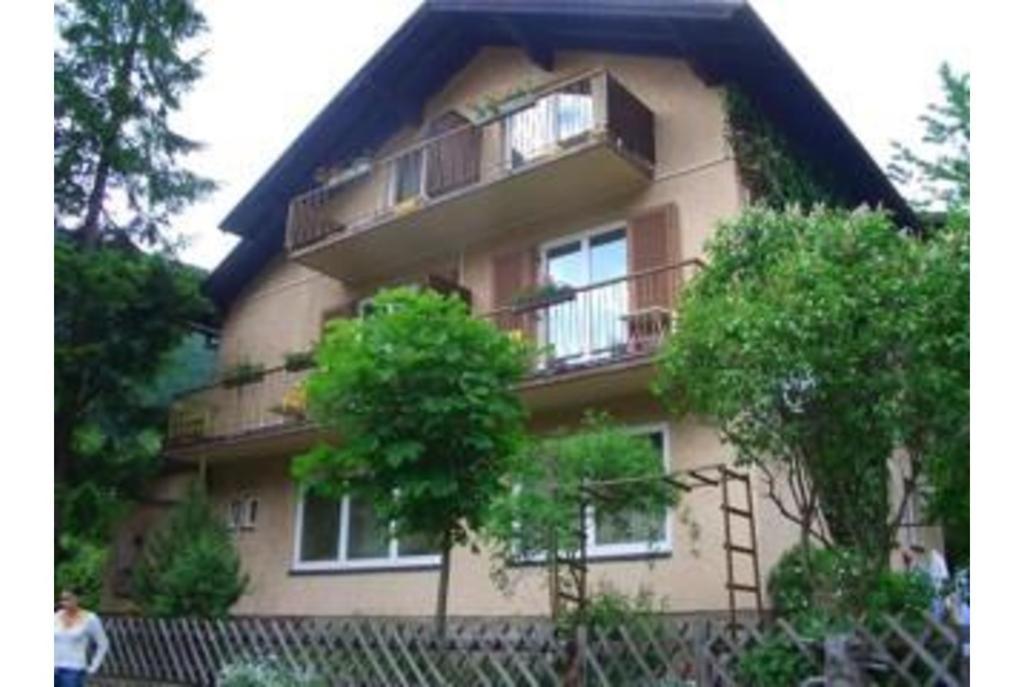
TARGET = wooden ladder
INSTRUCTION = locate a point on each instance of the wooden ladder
(729, 511)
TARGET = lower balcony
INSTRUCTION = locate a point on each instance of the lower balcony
(597, 342)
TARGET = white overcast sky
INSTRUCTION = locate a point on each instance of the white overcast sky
(271, 66)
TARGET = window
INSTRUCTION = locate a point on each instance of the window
(593, 324)
(629, 532)
(347, 533)
(557, 119)
(242, 513)
(407, 179)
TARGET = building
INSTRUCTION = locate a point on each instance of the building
(487, 148)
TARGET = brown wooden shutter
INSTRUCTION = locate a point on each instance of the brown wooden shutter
(513, 273)
(653, 243)
(453, 161)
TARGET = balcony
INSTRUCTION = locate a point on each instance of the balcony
(597, 342)
(260, 405)
(545, 154)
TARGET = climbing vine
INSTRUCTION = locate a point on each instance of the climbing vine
(774, 172)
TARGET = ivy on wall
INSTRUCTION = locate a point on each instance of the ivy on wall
(774, 172)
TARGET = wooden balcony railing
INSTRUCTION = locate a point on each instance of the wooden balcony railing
(598, 324)
(270, 400)
(530, 130)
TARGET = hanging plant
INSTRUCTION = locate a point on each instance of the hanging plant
(544, 294)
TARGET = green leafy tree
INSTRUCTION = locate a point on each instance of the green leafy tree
(815, 342)
(551, 487)
(943, 176)
(189, 566)
(120, 70)
(118, 315)
(422, 394)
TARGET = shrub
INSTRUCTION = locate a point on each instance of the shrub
(267, 673)
(827, 587)
(774, 663)
(189, 566)
(82, 570)
(610, 609)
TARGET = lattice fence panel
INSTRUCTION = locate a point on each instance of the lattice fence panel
(370, 652)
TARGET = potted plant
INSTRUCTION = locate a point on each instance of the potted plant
(293, 403)
(242, 374)
(545, 294)
(299, 360)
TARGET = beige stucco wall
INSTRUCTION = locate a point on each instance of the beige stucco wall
(282, 308)
(692, 577)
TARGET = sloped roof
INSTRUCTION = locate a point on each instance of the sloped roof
(724, 40)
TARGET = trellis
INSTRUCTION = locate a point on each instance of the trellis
(365, 652)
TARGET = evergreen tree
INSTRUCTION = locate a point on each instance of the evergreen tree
(190, 566)
(119, 71)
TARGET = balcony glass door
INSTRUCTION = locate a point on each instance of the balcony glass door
(554, 120)
(592, 324)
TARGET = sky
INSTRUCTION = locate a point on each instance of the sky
(270, 67)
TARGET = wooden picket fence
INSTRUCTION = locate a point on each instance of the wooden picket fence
(671, 651)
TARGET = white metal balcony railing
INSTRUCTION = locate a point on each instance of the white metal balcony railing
(506, 140)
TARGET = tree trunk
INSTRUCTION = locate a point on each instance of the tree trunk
(441, 613)
(118, 113)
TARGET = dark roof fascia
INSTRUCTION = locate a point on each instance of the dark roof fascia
(450, 31)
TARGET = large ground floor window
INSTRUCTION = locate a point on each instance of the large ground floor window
(628, 532)
(348, 533)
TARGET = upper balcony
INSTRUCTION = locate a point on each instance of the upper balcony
(536, 155)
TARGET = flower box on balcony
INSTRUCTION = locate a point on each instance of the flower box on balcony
(544, 295)
(242, 374)
(297, 361)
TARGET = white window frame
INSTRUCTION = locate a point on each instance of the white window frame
(393, 560)
(583, 237)
(597, 551)
(247, 521)
(393, 177)
(552, 136)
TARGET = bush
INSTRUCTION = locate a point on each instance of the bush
(266, 673)
(82, 570)
(610, 609)
(828, 587)
(190, 567)
(822, 592)
(774, 663)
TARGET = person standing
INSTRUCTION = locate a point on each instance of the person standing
(73, 630)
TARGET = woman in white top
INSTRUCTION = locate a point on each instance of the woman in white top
(73, 629)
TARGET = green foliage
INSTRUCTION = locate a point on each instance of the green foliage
(821, 592)
(610, 609)
(423, 394)
(537, 513)
(189, 566)
(774, 663)
(822, 589)
(774, 172)
(119, 317)
(600, 464)
(818, 342)
(82, 570)
(267, 673)
(943, 177)
(120, 70)
(299, 360)
(242, 374)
